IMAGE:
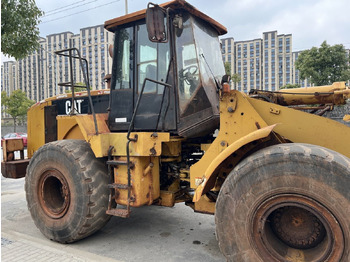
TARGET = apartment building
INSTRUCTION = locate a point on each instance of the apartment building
(263, 63)
(8, 79)
(40, 73)
(8, 76)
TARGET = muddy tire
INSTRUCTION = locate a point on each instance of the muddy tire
(288, 202)
(66, 190)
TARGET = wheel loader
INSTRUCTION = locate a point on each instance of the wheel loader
(169, 129)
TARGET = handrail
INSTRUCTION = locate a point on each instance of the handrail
(131, 126)
(85, 76)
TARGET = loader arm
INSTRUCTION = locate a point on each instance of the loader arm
(242, 116)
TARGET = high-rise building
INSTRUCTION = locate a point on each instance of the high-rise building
(263, 63)
(8, 79)
(8, 76)
(40, 73)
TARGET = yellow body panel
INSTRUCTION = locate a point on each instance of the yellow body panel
(201, 182)
(237, 119)
(146, 144)
(144, 181)
(300, 127)
(83, 127)
(335, 94)
(68, 128)
(205, 205)
(252, 119)
(36, 127)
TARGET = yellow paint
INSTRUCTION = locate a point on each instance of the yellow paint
(172, 148)
(205, 147)
(258, 134)
(346, 118)
(146, 144)
(167, 198)
(36, 127)
(204, 205)
(68, 128)
(300, 127)
(336, 93)
(252, 119)
(145, 189)
(233, 126)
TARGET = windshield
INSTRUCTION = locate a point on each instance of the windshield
(208, 53)
(198, 62)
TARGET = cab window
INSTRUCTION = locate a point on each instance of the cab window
(152, 62)
(123, 62)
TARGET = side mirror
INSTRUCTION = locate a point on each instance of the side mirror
(110, 50)
(155, 21)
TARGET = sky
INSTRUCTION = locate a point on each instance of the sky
(309, 21)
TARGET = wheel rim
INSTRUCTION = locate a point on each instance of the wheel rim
(54, 195)
(296, 228)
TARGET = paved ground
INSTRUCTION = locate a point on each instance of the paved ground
(150, 234)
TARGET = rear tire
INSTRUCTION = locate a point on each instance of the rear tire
(288, 202)
(66, 190)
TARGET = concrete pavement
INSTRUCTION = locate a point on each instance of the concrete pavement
(21, 247)
(150, 234)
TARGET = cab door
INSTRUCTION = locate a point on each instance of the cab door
(122, 85)
(152, 62)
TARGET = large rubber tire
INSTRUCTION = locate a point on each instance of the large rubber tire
(288, 202)
(66, 190)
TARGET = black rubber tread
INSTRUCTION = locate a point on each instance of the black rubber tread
(316, 172)
(87, 178)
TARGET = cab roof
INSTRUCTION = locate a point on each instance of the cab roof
(175, 5)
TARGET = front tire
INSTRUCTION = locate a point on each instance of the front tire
(288, 202)
(66, 190)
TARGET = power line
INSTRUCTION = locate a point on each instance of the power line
(63, 7)
(69, 8)
(79, 12)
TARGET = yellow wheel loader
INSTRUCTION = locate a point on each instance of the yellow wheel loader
(169, 129)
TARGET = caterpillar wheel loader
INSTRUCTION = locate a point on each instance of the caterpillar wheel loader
(169, 129)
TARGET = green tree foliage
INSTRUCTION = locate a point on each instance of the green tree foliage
(236, 78)
(227, 68)
(19, 31)
(324, 65)
(80, 86)
(16, 105)
(290, 86)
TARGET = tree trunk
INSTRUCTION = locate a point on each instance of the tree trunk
(14, 124)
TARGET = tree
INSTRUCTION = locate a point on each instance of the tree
(324, 65)
(19, 31)
(16, 105)
(236, 78)
(227, 68)
(287, 86)
(80, 86)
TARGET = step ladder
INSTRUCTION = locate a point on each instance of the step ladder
(114, 188)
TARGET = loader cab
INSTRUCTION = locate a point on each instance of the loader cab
(171, 82)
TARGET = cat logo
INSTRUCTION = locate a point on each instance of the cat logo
(77, 106)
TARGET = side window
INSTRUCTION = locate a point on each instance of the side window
(152, 61)
(188, 68)
(146, 60)
(123, 59)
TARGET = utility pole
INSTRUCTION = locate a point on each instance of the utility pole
(126, 7)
